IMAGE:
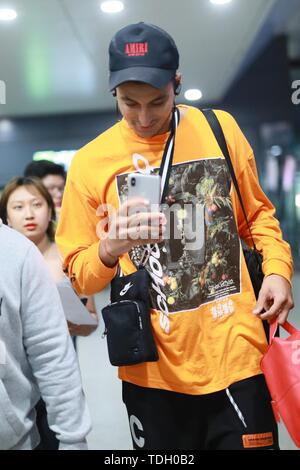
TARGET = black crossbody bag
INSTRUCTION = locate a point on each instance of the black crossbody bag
(127, 318)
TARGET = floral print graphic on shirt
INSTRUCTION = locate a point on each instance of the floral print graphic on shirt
(192, 277)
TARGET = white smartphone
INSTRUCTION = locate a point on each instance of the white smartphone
(145, 186)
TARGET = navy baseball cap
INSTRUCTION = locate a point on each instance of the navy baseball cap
(143, 53)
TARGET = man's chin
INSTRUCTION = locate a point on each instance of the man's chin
(146, 133)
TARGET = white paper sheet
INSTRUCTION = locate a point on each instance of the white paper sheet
(74, 309)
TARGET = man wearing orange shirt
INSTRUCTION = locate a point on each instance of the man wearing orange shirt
(206, 391)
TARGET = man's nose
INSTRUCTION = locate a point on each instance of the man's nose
(56, 190)
(144, 118)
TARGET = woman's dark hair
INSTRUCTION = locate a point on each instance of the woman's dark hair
(36, 183)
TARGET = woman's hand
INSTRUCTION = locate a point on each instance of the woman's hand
(82, 330)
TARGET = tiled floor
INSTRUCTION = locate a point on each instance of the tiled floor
(103, 388)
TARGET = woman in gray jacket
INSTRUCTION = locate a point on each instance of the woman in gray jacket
(36, 354)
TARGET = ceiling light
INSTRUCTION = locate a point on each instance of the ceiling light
(7, 14)
(112, 6)
(276, 150)
(219, 2)
(6, 126)
(193, 95)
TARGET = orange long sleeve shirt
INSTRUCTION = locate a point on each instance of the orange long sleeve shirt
(205, 331)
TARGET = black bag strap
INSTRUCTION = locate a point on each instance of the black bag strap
(220, 138)
(166, 163)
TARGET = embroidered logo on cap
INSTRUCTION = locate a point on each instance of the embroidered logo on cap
(136, 49)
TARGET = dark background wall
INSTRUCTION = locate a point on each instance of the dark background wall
(263, 95)
(65, 132)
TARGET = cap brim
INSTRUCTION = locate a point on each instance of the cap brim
(158, 78)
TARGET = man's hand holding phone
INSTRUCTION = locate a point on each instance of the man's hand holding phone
(129, 227)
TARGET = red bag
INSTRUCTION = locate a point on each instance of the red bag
(281, 367)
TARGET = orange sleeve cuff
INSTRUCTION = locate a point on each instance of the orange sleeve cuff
(91, 275)
(276, 266)
(96, 266)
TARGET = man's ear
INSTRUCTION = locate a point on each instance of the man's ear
(177, 83)
(114, 93)
(177, 89)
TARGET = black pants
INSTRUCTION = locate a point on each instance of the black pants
(48, 438)
(237, 418)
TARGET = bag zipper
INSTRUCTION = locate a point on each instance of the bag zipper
(125, 301)
(104, 333)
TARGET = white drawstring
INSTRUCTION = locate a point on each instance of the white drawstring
(235, 406)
